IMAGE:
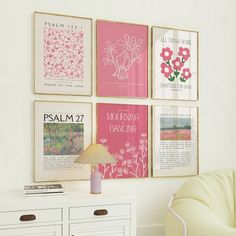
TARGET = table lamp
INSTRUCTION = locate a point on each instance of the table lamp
(95, 154)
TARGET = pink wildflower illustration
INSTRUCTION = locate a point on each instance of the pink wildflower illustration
(132, 161)
(166, 53)
(166, 69)
(174, 70)
(186, 74)
(184, 53)
(177, 64)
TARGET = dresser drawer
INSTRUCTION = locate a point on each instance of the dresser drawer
(91, 212)
(30, 216)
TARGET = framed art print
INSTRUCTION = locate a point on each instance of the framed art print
(174, 64)
(122, 59)
(175, 141)
(62, 131)
(123, 130)
(63, 54)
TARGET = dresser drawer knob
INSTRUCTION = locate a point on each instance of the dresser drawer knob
(100, 212)
(27, 217)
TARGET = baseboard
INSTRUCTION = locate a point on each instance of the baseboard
(151, 230)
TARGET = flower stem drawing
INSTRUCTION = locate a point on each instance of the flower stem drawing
(122, 55)
(131, 160)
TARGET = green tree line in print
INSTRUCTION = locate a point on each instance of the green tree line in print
(63, 138)
(175, 128)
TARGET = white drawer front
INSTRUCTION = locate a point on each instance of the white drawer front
(30, 216)
(92, 212)
(101, 228)
(53, 230)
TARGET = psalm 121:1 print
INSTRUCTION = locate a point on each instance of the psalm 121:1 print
(63, 54)
(175, 64)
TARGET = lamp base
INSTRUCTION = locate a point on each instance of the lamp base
(95, 182)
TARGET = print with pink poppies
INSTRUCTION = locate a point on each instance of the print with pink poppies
(174, 68)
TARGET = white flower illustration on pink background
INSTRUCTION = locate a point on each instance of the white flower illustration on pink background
(122, 55)
(132, 161)
(63, 53)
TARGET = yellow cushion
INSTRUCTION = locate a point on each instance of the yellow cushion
(206, 204)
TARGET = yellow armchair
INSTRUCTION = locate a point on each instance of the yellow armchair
(204, 206)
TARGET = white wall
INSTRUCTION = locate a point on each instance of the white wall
(214, 19)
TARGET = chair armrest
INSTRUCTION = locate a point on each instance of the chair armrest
(199, 219)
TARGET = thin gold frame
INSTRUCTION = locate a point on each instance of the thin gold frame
(91, 136)
(152, 146)
(152, 61)
(149, 166)
(91, 54)
(120, 22)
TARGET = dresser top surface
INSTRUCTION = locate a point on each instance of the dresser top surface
(77, 197)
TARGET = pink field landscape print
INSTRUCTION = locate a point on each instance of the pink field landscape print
(175, 128)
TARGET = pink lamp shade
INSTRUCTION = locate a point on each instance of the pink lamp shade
(95, 154)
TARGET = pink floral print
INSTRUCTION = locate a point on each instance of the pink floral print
(132, 161)
(166, 53)
(63, 53)
(173, 68)
(166, 69)
(177, 64)
(186, 74)
(184, 53)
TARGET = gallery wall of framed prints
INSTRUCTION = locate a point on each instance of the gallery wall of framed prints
(143, 107)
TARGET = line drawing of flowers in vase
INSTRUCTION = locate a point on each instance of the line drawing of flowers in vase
(132, 161)
(123, 55)
(173, 68)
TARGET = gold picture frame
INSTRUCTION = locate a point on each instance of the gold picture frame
(62, 131)
(174, 141)
(119, 74)
(63, 54)
(174, 64)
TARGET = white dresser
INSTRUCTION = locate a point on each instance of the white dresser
(75, 214)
